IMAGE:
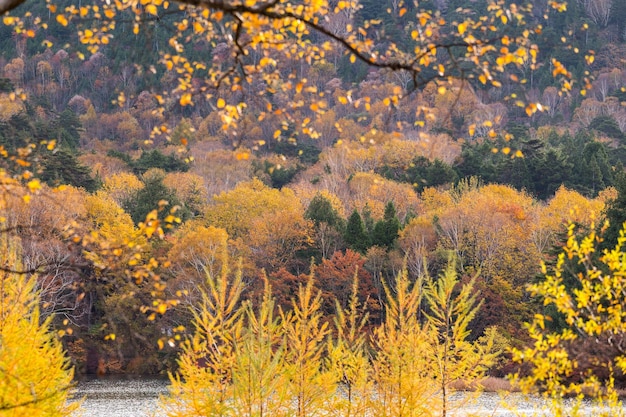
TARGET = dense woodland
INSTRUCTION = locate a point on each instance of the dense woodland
(350, 186)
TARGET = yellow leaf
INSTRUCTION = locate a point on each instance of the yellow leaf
(462, 28)
(152, 9)
(276, 133)
(352, 59)
(441, 90)
(185, 99)
(62, 20)
(221, 103)
(34, 185)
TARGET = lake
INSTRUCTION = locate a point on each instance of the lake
(137, 396)
(134, 396)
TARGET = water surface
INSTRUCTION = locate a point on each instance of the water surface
(128, 396)
(137, 396)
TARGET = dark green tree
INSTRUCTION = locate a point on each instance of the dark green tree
(321, 210)
(156, 159)
(386, 230)
(355, 235)
(67, 129)
(62, 167)
(615, 211)
(149, 198)
(549, 171)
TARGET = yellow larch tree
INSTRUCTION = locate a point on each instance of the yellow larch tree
(402, 376)
(35, 375)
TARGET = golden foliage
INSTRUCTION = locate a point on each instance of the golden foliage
(593, 310)
(246, 361)
(35, 375)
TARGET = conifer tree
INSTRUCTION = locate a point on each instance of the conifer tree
(615, 211)
(203, 385)
(259, 371)
(455, 357)
(348, 359)
(386, 230)
(308, 385)
(35, 375)
(355, 236)
(402, 374)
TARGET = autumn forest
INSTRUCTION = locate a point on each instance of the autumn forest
(311, 192)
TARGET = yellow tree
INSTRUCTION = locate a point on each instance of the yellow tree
(347, 359)
(203, 384)
(308, 385)
(583, 357)
(265, 223)
(196, 251)
(259, 375)
(456, 359)
(402, 375)
(35, 375)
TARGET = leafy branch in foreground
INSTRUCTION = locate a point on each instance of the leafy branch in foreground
(239, 57)
(584, 358)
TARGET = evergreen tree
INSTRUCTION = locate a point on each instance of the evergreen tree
(355, 236)
(320, 210)
(149, 198)
(68, 128)
(615, 212)
(62, 167)
(386, 230)
(368, 220)
(156, 159)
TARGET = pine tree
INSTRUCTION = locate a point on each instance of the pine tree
(355, 236)
(386, 230)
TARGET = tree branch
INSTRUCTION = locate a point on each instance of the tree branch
(6, 5)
